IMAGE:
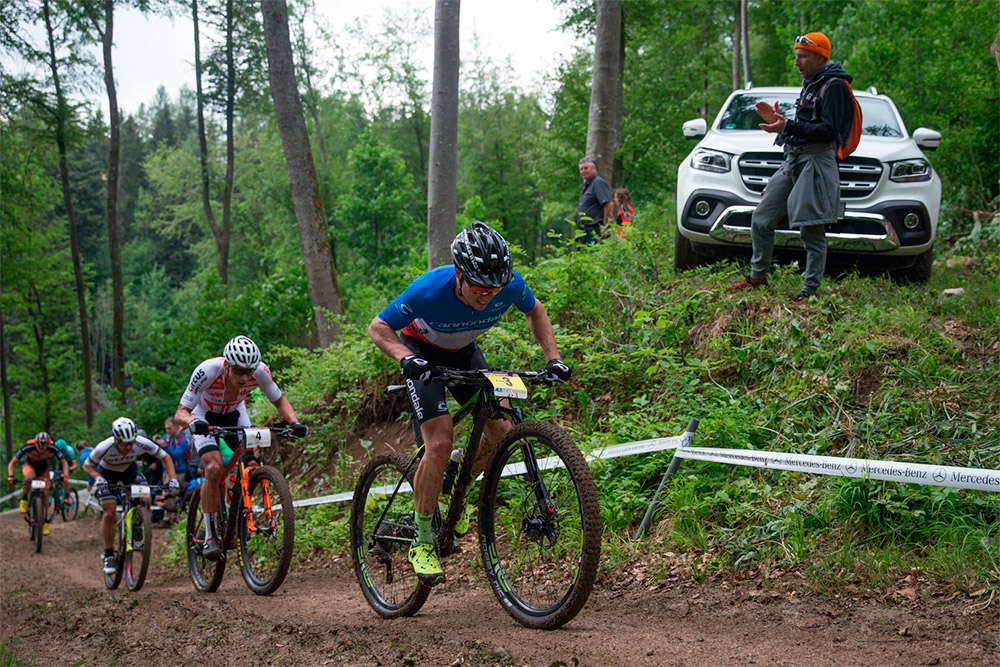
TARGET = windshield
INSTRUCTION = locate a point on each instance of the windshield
(879, 120)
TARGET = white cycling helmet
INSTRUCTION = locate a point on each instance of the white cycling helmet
(242, 352)
(123, 429)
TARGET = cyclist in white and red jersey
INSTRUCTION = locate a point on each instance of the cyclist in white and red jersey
(439, 316)
(216, 396)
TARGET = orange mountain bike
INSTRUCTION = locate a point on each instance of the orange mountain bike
(259, 525)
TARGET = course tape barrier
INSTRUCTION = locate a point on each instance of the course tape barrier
(974, 479)
(977, 479)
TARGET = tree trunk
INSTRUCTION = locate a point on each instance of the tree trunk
(38, 329)
(62, 112)
(227, 193)
(320, 274)
(737, 36)
(114, 245)
(745, 41)
(604, 91)
(442, 168)
(206, 196)
(8, 431)
(618, 173)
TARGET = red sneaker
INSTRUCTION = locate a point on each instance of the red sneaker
(747, 283)
(800, 298)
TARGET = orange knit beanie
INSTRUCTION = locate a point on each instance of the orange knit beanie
(816, 42)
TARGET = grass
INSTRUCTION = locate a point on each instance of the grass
(869, 369)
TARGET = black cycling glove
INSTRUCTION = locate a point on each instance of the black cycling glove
(556, 371)
(415, 368)
(198, 427)
(299, 430)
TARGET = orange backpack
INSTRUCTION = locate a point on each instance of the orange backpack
(854, 135)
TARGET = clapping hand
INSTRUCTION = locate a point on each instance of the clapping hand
(774, 120)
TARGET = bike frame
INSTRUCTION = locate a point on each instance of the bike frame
(243, 475)
(481, 406)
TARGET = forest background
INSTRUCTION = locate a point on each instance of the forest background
(620, 309)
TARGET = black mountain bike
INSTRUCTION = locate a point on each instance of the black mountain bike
(539, 519)
(135, 534)
(260, 523)
(36, 515)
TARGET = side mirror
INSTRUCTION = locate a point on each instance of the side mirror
(926, 139)
(696, 129)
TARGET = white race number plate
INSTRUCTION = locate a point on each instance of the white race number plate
(258, 437)
(38, 483)
(140, 491)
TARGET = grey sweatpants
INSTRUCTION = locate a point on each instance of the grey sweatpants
(807, 188)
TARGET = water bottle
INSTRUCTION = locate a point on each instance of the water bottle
(451, 470)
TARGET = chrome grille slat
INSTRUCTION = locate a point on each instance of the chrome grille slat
(859, 176)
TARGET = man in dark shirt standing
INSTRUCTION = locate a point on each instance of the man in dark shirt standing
(594, 207)
(807, 186)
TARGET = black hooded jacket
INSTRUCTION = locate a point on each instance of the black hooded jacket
(824, 110)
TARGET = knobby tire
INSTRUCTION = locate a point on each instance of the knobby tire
(205, 574)
(38, 509)
(266, 553)
(541, 562)
(136, 559)
(384, 572)
(69, 513)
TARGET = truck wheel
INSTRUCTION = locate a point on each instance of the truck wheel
(919, 271)
(684, 255)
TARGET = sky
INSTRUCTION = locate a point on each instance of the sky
(154, 51)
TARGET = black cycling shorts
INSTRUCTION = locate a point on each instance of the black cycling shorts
(428, 400)
(130, 475)
(220, 419)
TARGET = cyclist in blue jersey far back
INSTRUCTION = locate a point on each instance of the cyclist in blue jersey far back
(439, 316)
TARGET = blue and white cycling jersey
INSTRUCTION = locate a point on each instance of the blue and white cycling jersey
(429, 310)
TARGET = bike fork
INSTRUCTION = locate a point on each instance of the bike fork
(537, 484)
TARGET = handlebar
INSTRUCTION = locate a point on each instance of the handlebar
(449, 377)
(281, 431)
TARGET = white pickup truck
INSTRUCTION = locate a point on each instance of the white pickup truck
(889, 192)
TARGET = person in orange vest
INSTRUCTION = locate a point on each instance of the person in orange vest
(623, 202)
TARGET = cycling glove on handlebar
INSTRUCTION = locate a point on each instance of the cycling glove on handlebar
(556, 371)
(415, 368)
(299, 430)
(198, 427)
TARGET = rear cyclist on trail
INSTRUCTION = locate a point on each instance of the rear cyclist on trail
(216, 396)
(440, 315)
(114, 460)
(37, 453)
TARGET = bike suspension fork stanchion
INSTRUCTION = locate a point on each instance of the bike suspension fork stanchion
(671, 469)
(534, 473)
(247, 504)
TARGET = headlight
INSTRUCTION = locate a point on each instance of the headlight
(708, 160)
(917, 169)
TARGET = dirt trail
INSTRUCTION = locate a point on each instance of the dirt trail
(319, 617)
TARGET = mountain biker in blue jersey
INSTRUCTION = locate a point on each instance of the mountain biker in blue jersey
(439, 316)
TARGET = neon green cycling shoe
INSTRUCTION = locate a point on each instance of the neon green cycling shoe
(462, 525)
(424, 560)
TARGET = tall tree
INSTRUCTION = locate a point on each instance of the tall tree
(320, 273)
(221, 235)
(8, 434)
(443, 165)
(745, 41)
(737, 36)
(61, 116)
(604, 91)
(105, 29)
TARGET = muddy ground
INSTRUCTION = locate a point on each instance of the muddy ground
(56, 611)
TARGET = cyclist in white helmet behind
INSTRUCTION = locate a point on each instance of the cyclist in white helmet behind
(216, 396)
(114, 460)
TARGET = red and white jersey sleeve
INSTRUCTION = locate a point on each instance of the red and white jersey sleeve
(206, 391)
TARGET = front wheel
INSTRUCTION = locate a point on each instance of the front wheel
(382, 530)
(138, 546)
(267, 531)
(205, 574)
(111, 581)
(70, 511)
(38, 510)
(539, 526)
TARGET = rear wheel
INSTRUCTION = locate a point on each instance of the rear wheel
(266, 551)
(540, 526)
(139, 547)
(382, 530)
(70, 511)
(206, 574)
(38, 509)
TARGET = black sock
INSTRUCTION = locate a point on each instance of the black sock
(109, 552)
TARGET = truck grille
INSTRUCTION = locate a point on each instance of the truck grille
(858, 175)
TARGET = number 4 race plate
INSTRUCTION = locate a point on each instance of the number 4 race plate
(507, 385)
(258, 437)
